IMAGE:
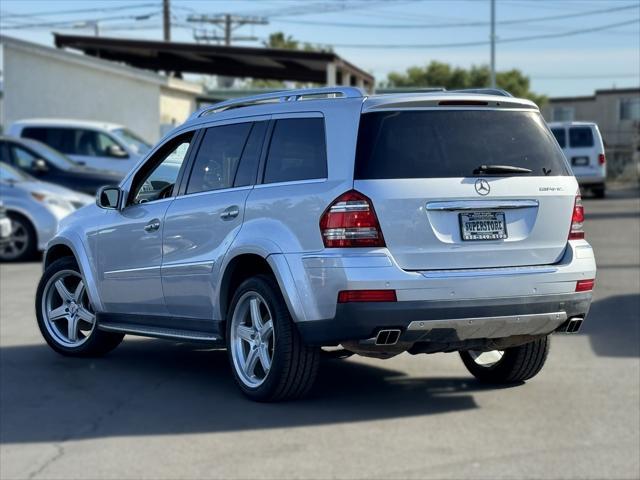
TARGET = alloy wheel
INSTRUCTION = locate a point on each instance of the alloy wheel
(66, 310)
(17, 243)
(252, 339)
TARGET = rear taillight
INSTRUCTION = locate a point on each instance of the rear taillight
(602, 159)
(585, 285)
(348, 296)
(351, 221)
(577, 220)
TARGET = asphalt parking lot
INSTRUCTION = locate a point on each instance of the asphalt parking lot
(156, 409)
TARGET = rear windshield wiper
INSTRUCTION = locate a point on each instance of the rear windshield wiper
(488, 169)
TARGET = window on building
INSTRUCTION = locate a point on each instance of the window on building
(297, 151)
(563, 114)
(630, 109)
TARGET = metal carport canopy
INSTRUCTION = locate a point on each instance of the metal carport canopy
(266, 63)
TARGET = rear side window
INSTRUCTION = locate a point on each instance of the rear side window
(297, 151)
(448, 143)
(73, 141)
(218, 156)
(580, 137)
(561, 136)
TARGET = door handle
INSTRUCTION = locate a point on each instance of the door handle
(230, 213)
(152, 226)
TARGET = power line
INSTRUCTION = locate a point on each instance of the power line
(62, 23)
(485, 42)
(83, 10)
(457, 24)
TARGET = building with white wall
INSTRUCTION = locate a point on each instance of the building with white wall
(40, 81)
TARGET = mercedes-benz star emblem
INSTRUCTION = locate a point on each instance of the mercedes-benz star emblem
(482, 187)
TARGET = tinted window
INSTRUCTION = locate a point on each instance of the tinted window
(73, 141)
(157, 178)
(424, 144)
(561, 136)
(246, 174)
(218, 155)
(580, 137)
(297, 151)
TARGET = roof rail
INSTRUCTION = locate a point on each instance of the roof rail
(280, 96)
(484, 91)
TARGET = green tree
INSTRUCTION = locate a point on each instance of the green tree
(439, 74)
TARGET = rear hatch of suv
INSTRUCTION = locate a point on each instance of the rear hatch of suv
(465, 187)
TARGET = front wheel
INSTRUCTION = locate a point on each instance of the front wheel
(513, 365)
(65, 316)
(268, 358)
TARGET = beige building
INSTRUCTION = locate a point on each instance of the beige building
(39, 81)
(617, 113)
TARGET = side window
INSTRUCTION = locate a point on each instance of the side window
(23, 159)
(92, 143)
(217, 159)
(297, 151)
(580, 137)
(246, 174)
(561, 136)
(61, 139)
(157, 178)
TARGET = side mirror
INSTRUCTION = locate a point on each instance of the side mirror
(108, 197)
(39, 166)
(116, 151)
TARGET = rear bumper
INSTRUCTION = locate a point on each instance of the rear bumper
(448, 321)
(311, 282)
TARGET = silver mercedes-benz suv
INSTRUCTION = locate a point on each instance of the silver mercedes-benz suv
(283, 223)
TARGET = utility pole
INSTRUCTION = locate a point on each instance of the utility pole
(493, 43)
(227, 23)
(166, 20)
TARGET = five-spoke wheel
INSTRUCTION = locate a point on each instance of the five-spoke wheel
(66, 318)
(269, 360)
(252, 339)
(66, 310)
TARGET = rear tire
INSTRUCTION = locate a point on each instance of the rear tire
(259, 320)
(517, 364)
(65, 316)
(23, 241)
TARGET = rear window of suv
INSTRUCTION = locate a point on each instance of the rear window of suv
(580, 137)
(448, 143)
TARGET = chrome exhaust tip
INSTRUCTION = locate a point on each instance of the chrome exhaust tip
(572, 325)
(388, 337)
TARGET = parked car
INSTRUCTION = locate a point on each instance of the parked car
(583, 146)
(312, 218)
(49, 165)
(102, 145)
(35, 209)
(5, 226)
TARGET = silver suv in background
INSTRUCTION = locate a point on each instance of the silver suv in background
(582, 144)
(283, 223)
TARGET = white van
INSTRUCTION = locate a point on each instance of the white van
(582, 145)
(107, 146)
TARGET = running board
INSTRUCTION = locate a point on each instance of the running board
(160, 332)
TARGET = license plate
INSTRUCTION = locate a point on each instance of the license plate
(580, 161)
(483, 226)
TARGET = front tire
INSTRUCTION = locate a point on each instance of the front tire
(513, 365)
(268, 358)
(65, 316)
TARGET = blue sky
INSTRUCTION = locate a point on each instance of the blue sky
(571, 65)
